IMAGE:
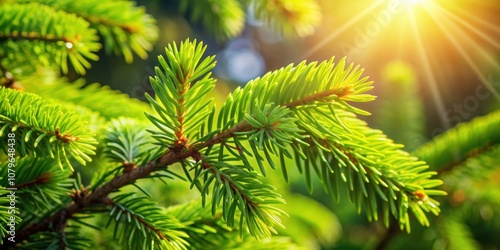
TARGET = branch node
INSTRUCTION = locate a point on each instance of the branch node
(66, 138)
(78, 197)
(128, 167)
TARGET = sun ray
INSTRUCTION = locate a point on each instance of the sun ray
(490, 58)
(477, 19)
(340, 30)
(462, 51)
(400, 39)
(429, 74)
(469, 26)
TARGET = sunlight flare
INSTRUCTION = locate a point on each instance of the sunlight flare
(413, 2)
(429, 74)
(341, 29)
(462, 36)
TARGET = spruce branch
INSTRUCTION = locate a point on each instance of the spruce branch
(313, 103)
(234, 188)
(36, 37)
(181, 86)
(397, 179)
(124, 27)
(95, 196)
(461, 161)
(303, 112)
(333, 142)
(128, 142)
(225, 18)
(450, 149)
(5, 214)
(304, 86)
(44, 129)
(289, 17)
(41, 188)
(92, 197)
(141, 224)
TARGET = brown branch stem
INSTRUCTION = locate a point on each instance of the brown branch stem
(43, 178)
(129, 28)
(33, 36)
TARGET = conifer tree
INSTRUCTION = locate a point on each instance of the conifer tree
(302, 116)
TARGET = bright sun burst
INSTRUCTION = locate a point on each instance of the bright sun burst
(413, 2)
(458, 33)
(429, 33)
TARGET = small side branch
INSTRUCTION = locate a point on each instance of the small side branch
(110, 202)
(233, 187)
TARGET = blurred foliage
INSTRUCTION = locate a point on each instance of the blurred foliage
(399, 112)
(466, 157)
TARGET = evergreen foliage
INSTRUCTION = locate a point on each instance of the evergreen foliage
(461, 142)
(399, 85)
(302, 116)
(48, 38)
(124, 28)
(287, 16)
(44, 129)
(226, 18)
